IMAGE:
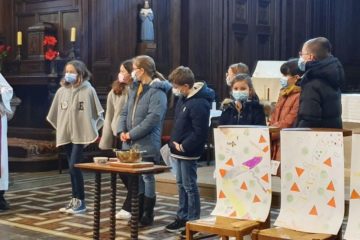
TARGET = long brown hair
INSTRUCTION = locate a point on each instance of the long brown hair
(148, 64)
(83, 73)
(118, 87)
(243, 77)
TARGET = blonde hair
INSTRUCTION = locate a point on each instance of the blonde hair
(83, 73)
(148, 64)
(239, 68)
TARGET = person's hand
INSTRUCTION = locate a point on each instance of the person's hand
(123, 137)
(127, 136)
(177, 146)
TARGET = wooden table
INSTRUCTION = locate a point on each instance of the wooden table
(134, 173)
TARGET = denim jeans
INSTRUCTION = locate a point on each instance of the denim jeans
(74, 154)
(147, 182)
(189, 197)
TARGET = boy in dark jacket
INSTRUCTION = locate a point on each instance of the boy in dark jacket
(189, 133)
(320, 99)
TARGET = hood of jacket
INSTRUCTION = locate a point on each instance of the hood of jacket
(162, 85)
(200, 90)
(329, 69)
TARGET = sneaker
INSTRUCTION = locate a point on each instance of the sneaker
(124, 215)
(78, 207)
(176, 226)
(68, 206)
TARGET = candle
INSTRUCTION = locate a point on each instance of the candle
(19, 38)
(73, 35)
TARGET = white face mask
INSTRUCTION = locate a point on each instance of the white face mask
(241, 96)
(176, 92)
(301, 64)
(133, 76)
(283, 82)
(70, 77)
(228, 81)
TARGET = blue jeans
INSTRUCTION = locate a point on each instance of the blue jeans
(74, 154)
(189, 197)
(147, 182)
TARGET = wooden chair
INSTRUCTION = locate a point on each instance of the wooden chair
(285, 234)
(224, 227)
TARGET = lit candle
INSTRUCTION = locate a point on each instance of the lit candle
(19, 38)
(73, 35)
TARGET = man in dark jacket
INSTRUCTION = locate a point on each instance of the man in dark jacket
(189, 133)
(320, 99)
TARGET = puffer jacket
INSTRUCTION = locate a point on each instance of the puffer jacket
(320, 98)
(143, 117)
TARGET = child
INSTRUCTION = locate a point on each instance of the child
(235, 69)
(188, 137)
(141, 124)
(77, 115)
(116, 100)
(287, 106)
(6, 92)
(244, 108)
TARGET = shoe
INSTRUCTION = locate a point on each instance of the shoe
(147, 218)
(124, 215)
(68, 206)
(176, 226)
(78, 207)
(4, 205)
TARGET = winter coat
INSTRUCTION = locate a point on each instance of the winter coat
(252, 113)
(191, 123)
(284, 116)
(320, 98)
(76, 114)
(114, 106)
(143, 117)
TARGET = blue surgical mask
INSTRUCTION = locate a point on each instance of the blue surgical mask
(283, 82)
(301, 64)
(70, 77)
(133, 76)
(240, 95)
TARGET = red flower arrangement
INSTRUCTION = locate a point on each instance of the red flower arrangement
(49, 44)
(4, 51)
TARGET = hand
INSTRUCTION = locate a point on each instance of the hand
(123, 137)
(127, 136)
(177, 146)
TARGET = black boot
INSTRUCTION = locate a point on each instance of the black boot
(147, 218)
(3, 204)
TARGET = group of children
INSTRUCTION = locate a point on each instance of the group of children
(136, 108)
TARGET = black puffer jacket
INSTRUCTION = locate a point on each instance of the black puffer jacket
(252, 113)
(320, 99)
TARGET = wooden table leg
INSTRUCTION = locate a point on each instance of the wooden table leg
(134, 206)
(97, 198)
(113, 207)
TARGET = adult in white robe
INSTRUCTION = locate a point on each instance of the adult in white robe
(5, 109)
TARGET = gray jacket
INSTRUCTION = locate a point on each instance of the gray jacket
(143, 117)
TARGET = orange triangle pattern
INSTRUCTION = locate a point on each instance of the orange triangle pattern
(299, 171)
(256, 199)
(223, 172)
(313, 211)
(262, 139)
(355, 194)
(295, 188)
(243, 186)
(265, 149)
(330, 187)
(265, 178)
(222, 194)
(233, 214)
(328, 162)
(230, 162)
(332, 203)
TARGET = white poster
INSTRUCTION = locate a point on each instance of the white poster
(353, 225)
(312, 181)
(242, 172)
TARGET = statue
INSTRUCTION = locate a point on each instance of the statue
(147, 27)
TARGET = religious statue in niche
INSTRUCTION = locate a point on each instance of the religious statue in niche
(147, 27)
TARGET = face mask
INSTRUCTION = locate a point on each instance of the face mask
(176, 92)
(240, 95)
(121, 78)
(301, 64)
(70, 77)
(283, 82)
(133, 76)
(228, 81)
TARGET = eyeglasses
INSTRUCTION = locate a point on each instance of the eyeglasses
(302, 54)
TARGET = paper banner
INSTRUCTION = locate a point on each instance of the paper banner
(242, 173)
(353, 225)
(312, 181)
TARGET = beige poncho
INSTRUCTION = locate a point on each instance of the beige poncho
(76, 114)
(114, 105)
